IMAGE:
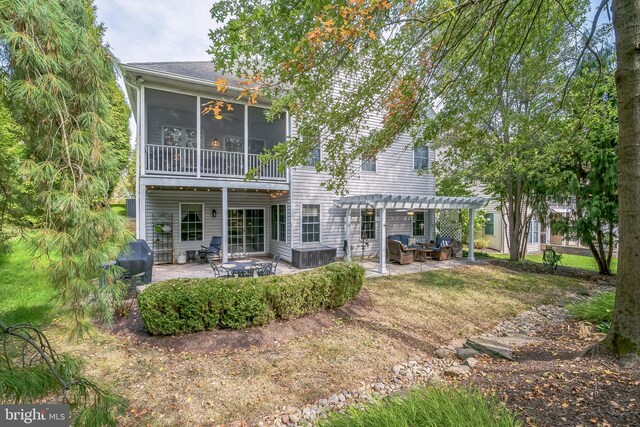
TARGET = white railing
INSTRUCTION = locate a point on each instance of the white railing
(267, 170)
(171, 160)
(222, 163)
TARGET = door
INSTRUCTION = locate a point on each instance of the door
(246, 230)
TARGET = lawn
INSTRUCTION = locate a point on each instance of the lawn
(25, 294)
(568, 260)
(120, 209)
(396, 317)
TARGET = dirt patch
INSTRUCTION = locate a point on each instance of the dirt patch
(550, 386)
(229, 340)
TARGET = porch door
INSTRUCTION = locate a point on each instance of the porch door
(246, 230)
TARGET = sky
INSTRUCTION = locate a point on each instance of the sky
(163, 30)
(157, 30)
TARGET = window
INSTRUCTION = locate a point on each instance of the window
(314, 157)
(421, 158)
(368, 165)
(534, 233)
(179, 137)
(368, 224)
(310, 223)
(191, 222)
(279, 223)
(489, 225)
(417, 224)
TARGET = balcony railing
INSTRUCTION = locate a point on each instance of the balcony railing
(170, 160)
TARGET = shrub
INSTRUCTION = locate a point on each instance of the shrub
(597, 310)
(429, 407)
(190, 305)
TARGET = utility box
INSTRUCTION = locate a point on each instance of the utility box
(312, 257)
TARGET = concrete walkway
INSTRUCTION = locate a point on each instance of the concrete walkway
(187, 271)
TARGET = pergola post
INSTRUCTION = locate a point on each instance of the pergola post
(347, 234)
(225, 225)
(470, 256)
(382, 269)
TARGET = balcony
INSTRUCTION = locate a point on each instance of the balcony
(183, 161)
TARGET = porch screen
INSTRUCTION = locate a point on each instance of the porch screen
(171, 118)
(265, 134)
(225, 134)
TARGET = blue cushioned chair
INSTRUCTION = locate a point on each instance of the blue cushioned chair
(442, 249)
(215, 246)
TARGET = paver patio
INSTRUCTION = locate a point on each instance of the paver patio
(187, 271)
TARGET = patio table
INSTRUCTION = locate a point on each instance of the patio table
(240, 267)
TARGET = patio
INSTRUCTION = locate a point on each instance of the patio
(201, 271)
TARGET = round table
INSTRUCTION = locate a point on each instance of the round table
(240, 267)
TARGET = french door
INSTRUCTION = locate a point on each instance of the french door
(246, 230)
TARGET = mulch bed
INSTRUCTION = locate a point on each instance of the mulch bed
(276, 332)
(537, 268)
(550, 385)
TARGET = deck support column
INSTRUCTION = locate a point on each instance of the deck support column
(225, 225)
(470, 256)
(347, 235)
(382, 268)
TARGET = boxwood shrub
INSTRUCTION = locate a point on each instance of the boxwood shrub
(191, 305)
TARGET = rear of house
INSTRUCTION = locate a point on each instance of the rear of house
(191, 168)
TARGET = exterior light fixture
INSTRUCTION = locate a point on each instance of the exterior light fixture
(214, 213)
(410, 213)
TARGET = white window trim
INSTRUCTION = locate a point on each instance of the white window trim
(302, 205)
(180, 221)
(319, 160)
(375, 224)
(375, 162)
(413, 159)
(494, 223)
(424, 223)
(286, 223)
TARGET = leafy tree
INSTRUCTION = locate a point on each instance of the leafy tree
(386, 55)
(588, 166)
(118, 138)
(59, 79)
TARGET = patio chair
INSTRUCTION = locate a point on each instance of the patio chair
(274, 264)
(399, 252)
(264, 269)
(219, 271)
(442, 250)
(215, 246)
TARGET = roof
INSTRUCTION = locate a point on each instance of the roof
(408, 201)
(192, 70)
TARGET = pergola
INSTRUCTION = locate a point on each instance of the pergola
(382, 202)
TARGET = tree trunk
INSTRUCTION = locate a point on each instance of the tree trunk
(624, 335)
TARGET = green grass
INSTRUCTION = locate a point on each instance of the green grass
(597, 310)
(568, 260)
(429, 407)
(120, 209)
(25, 294)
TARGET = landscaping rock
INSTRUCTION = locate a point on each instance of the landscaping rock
(471, 362)
(465, 353)
(441, 353)
(457, 370)
(491, 346)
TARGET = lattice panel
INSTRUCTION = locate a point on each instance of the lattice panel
(448, 223)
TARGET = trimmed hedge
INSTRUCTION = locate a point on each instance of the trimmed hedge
(191, 305)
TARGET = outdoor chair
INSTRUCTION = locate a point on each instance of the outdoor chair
(219, 271)
(442, 250)
(399, 252)
(215, 246)
(264, 269)
(274, 264)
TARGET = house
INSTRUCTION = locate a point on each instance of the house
(191, 186)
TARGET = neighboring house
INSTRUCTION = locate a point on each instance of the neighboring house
(496, 228)
(191, 170)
